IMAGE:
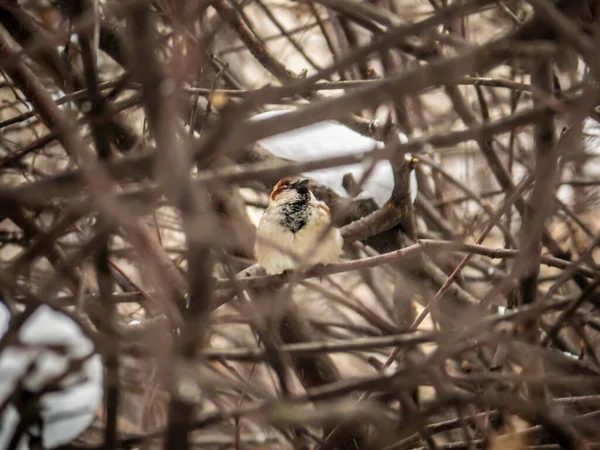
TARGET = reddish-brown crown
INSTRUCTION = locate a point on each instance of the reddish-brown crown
(281, 184)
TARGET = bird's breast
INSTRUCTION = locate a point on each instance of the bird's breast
(294, 215)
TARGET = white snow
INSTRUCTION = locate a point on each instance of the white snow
(327, 139)
(67, 412)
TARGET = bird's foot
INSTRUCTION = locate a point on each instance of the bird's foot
(279, 278)
(318, 270)
(285, 274)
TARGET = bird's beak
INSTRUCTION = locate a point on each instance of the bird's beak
(302, 184)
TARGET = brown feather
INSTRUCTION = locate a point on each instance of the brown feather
(324, 207)
(278, 188)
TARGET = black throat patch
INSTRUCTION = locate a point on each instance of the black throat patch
(296, 213)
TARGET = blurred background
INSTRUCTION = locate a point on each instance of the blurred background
(456, 144)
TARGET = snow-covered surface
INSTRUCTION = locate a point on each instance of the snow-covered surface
(47, 342)
(327, 139)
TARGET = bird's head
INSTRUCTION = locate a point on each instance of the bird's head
(287, 190)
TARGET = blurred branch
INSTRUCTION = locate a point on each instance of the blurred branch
(246, 280)
(150, 253)
(258, 50)
(139, 166)
(98, 116)
(174, 174)
(24, 29)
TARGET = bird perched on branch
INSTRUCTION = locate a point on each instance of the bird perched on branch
(296, 228)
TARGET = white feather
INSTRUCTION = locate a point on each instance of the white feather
(278, 248)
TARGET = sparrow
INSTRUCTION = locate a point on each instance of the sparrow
(291, 230)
